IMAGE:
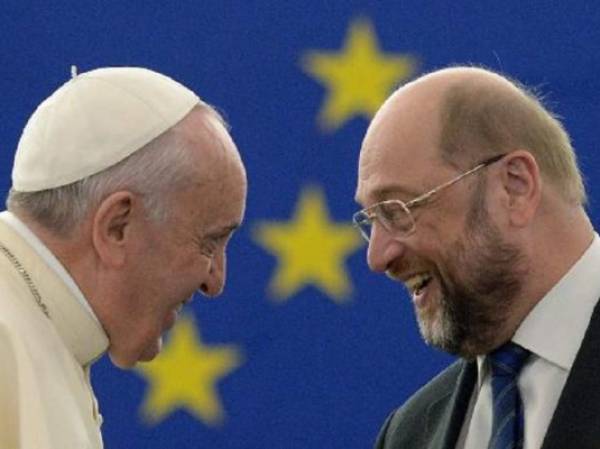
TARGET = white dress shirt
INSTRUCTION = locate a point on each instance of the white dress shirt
(553, 332)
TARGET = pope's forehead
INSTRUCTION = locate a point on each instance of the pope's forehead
(209, 137)
(202, 124)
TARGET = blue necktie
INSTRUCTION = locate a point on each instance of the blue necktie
(508, 422)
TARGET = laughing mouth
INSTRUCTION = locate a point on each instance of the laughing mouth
(416, 283)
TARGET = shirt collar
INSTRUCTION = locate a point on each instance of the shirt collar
(43, 251)
(555, 327)
(69, 311)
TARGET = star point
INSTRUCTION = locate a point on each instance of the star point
(359, 77)
(185, 374)
(311, 250)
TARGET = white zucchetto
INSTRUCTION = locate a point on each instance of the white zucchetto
(94, 121)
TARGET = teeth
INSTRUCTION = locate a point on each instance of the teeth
(416, 282)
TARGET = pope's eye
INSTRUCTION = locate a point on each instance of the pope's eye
(210, 245)
(207, 248)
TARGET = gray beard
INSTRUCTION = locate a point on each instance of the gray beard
(475, 307)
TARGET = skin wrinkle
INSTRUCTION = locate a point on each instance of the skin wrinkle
(494, 272)
(472, 305)
(480, 261)
(164, 263)
(479, 240)
(491, 260)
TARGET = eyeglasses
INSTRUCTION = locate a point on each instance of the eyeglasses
(395, 216)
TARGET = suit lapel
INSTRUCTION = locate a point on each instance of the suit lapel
(453, 410)
(576, 421)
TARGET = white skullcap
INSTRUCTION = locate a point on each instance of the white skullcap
(93, 121)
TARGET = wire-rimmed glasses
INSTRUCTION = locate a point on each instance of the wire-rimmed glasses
(395, 216)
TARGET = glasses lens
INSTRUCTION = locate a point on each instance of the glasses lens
(395, 216)
(363, 222)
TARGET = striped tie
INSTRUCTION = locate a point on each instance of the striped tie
(508, 422)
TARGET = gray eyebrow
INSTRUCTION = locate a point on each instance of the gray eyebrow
(386, 193)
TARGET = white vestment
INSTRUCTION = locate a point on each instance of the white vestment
(48, 340)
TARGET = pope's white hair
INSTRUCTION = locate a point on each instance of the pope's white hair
(153, 172)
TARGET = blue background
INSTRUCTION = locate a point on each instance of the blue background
(316, 373)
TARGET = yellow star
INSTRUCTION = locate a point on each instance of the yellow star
(310, 248)
(185, 374)
(359, 78)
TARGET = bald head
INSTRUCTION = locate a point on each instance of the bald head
(428, 93)
(472, 114)
(468, 182)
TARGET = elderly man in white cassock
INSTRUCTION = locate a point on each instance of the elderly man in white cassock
(126, 189)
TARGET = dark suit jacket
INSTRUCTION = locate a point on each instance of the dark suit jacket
(433, 417)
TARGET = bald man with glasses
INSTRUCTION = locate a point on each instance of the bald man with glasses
(474, 201)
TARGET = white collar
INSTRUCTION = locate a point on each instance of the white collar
(555, 327)
(21, 228)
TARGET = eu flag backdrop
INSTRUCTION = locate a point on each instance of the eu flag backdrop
(305, 349)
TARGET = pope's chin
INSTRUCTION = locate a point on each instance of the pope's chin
(126, 359)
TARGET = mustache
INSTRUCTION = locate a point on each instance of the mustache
(398, 271)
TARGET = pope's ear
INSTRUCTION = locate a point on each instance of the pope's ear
(111, 227)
